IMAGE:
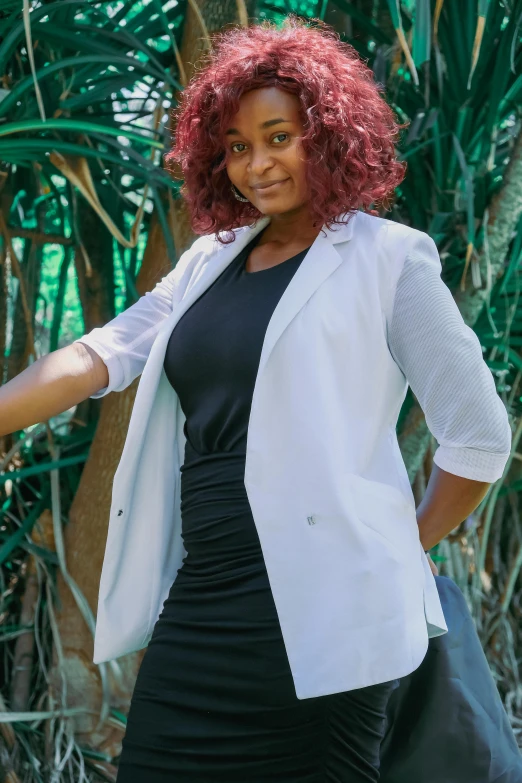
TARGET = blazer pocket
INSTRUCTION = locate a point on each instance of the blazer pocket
(387, 512)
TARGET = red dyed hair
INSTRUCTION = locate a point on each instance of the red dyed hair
(349, 128)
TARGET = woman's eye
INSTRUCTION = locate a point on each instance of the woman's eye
(240, 143)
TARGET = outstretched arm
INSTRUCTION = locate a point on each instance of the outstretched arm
(106, 359)
(49, 386)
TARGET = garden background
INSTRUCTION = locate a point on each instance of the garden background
(89, 216)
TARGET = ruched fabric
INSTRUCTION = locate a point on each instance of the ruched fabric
(214, 699)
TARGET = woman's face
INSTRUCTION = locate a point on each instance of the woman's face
(263, 146)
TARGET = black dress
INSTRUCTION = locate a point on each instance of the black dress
(214, 700)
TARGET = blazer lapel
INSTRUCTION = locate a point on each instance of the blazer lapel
(321, 260)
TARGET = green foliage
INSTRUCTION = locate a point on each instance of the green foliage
(457, 145)
(100, 73)
(278, 10)
(99, 84)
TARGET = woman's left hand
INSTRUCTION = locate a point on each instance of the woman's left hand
(434, 569)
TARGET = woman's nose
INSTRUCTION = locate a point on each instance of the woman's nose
(260, 161)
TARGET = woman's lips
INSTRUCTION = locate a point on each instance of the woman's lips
(271, 188)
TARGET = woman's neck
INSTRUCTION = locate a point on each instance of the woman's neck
(285, 230)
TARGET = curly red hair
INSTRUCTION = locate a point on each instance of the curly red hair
(349, 128)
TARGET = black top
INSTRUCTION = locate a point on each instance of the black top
(213, 353)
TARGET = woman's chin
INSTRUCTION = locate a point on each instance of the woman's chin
(275, 207)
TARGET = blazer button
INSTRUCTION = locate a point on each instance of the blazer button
(312, 519)
(120, 512)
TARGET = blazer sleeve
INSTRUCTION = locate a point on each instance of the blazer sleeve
(441, 358)
(124, 343)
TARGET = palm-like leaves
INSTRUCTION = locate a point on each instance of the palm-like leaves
(100, 87)
(84, 105)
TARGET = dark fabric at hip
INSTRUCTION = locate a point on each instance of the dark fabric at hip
(446, 721)
(214, 700)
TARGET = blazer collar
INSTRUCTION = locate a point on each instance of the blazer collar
(319, 262)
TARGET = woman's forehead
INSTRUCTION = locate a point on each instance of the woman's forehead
(261, 107)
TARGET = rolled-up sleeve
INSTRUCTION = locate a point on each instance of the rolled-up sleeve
(124, 343)
(95, 340)
(441, 358)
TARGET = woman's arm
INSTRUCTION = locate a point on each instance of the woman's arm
(49, 386)
(442, 360)
(448, 501)
(106, 359)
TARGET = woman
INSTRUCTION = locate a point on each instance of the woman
(288, 561)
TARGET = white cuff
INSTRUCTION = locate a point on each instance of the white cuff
(471, 463)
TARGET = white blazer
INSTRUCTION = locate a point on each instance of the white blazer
(324, 475)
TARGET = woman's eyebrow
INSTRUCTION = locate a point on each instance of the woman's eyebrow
(266, 124)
